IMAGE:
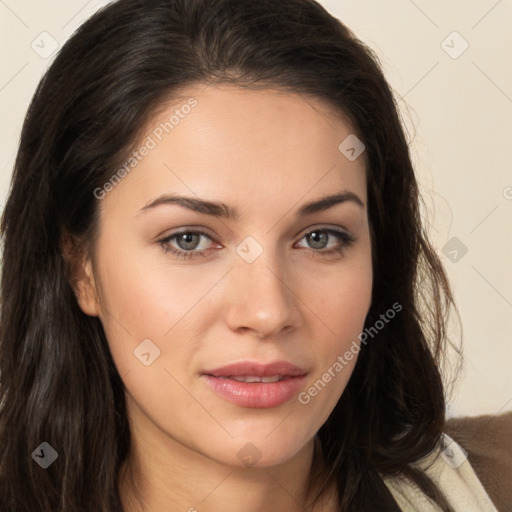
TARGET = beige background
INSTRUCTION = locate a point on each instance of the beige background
(457, 105)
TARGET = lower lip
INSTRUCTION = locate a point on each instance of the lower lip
(261, 395)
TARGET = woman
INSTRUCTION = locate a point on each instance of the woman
(217, 292)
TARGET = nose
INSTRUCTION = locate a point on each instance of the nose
(261, 297)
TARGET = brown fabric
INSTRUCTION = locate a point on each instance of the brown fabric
(488, 442)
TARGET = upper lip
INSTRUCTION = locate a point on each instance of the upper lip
(282, 368)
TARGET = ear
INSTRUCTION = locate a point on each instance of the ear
(80, 274)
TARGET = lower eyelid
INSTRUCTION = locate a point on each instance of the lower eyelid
(344, 240)
(174, 236)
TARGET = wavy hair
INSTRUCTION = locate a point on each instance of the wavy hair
(58, 381)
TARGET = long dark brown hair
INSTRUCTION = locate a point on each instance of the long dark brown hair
(58, 382)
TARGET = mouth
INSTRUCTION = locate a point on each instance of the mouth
(256, 385)
(255, 378)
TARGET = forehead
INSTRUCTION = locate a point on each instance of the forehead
(228, 142)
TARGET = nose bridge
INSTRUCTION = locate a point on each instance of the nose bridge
(262, 299)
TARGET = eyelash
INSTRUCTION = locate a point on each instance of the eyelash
(346, 241)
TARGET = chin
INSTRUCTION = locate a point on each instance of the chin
(261, 450)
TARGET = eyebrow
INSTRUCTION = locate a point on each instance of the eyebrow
(222, 210)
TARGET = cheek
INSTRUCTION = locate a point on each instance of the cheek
(342, 299)
(341, 302)
(146, 313)
(147, 296)
(144, 298)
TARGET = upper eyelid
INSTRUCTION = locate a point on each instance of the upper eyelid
(324, 227)
(205, 232)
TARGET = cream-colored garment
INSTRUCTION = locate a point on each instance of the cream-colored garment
(448, 467)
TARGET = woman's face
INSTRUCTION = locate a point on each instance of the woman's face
(273, 290)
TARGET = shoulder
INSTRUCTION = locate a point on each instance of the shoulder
(449, 469)
(487, 441)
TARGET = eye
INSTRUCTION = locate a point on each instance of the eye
(318, 240)
(187, 242)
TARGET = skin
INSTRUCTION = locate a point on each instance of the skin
(266, 153)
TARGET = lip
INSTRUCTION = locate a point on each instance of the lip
(256, 394)
(258, 369)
